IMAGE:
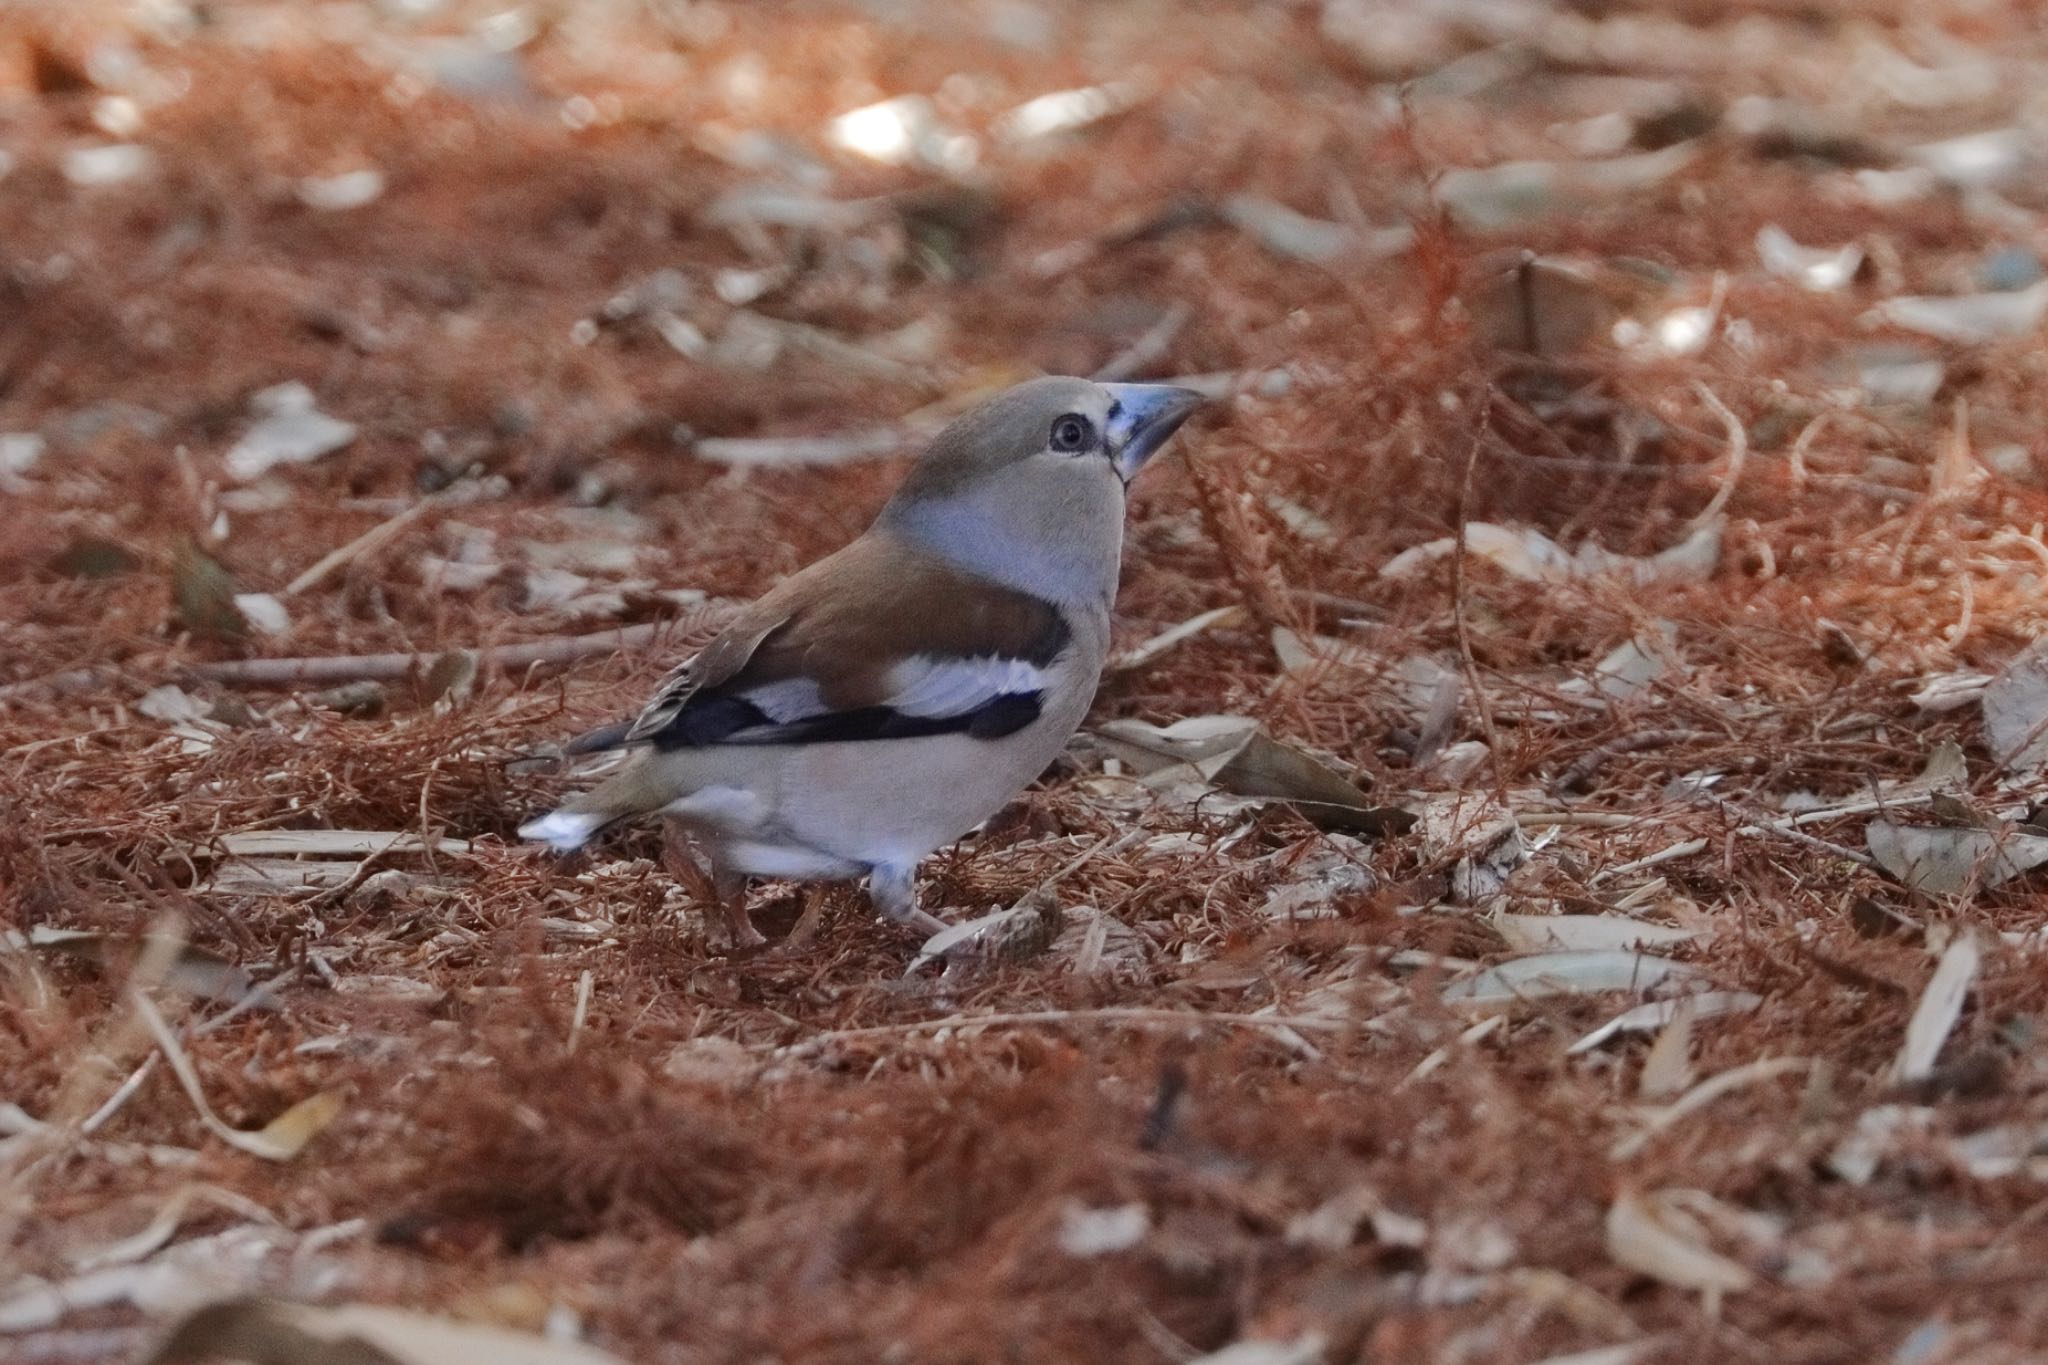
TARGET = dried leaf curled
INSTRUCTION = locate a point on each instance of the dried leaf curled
(273, 1332)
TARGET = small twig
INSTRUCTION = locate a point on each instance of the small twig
(1782, 830)
(1110, 1014)
(383, 533)
(63, 684)
(1676, 851)
(1109, 845)
(1139, 655)
(1738, 452)
(1788, 826)
(99, 1117)
(1363, 612)
(1940, 489)
(1705, 1093)
(584, 983)
(1869, 488)
(1580, 773)
(258, 997)
(1847, 972)
(1908, 801)
(1479, 699)
(1795, 458)
(340, 668)
(316, 897)
(1229, 383)
(1575, 819)
(387, 667)
(1477, 1033)
(1956, 633)
(1149, 349)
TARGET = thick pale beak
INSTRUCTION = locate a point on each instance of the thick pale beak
(1141, 417)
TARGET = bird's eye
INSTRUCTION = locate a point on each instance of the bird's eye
(1071, 433)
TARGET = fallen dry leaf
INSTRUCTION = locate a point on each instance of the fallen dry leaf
(1307, 1349)
(1534, 932)
(1946, 860)
(1968, 318)
(1652, 1236)
(194, 970)
(1667, 1069)
(290, 429)
(328, 843)
(274, 1332)
(1821, 269)
(283, 1138)
(1232, 754)
(1585, 972)
(1941, 1005)
(1656, 1014)
(1530, 555)
(2015, 705)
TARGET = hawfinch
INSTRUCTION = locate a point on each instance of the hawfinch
(884, 701)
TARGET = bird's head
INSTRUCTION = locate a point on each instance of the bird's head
(1028, 487)
(1058, 430)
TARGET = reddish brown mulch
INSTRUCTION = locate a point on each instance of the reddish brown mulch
(789, 1155)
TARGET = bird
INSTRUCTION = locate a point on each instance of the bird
(879, 704)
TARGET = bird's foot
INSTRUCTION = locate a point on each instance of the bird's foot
(740, 934)
(921, 922)
(893, 889)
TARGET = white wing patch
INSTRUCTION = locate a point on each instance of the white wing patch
(924, 686)
(788, 700)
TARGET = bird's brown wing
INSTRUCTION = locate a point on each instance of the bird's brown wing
(709, 667)
(878, 641)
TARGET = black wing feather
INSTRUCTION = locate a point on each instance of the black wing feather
(718, 719)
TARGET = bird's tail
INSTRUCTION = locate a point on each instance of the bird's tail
(637, 789)
(563, 830)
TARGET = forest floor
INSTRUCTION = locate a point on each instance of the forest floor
(1715, 325)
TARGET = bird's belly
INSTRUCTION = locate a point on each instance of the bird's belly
(894, 801)
(834, 810)
(762, 858)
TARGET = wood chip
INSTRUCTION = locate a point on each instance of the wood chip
(1650, 1235)
(1941, 1005)
(328, 843)
(273, 1332)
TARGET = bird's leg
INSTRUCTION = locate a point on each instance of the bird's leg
(807, 922)
(723, 890)
(892, 887)
(731, 890)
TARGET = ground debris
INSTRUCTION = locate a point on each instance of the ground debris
(1530, 555)
(289, 429)
(1946, 860)
(271, 1332)
(1580, 971)
(1658, 1236)
(1495, 968)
